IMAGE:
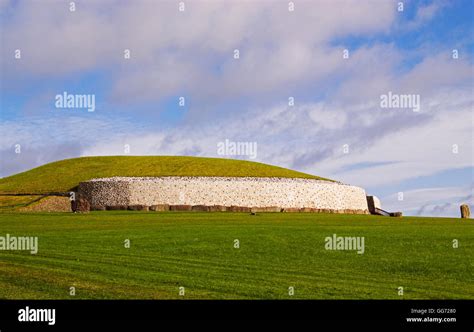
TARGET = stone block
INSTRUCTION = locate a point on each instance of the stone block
(200, 208)
(180, 207)
(217, 208)
(138, 207)
(290, 210)
(116, 207)
(234, 208)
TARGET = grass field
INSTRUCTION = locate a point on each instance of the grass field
(65, 175)
(196, 251)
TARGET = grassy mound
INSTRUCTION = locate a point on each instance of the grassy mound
(66, 174)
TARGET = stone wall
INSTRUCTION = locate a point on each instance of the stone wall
(281, 193)
(105, 192)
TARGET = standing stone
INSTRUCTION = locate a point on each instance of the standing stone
(465, 212)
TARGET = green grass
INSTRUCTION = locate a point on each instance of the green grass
(66, 174)
(195, 250)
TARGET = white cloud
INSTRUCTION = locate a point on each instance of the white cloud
(420, 150)
(174, 51)
(328, 118)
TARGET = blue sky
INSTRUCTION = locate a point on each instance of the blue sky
(282, 54)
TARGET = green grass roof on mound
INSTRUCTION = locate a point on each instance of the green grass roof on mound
(66, 174)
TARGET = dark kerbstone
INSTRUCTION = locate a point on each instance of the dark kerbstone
(235, 208)
(201, 208)
(116, 207)
(138, 207)
(217, 208)
(395, 214)
(180, 207)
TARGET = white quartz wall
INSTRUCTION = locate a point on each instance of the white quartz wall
(248, 192)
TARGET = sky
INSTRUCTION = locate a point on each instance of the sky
(335, 60)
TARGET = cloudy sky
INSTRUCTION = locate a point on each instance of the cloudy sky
(334, 59)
